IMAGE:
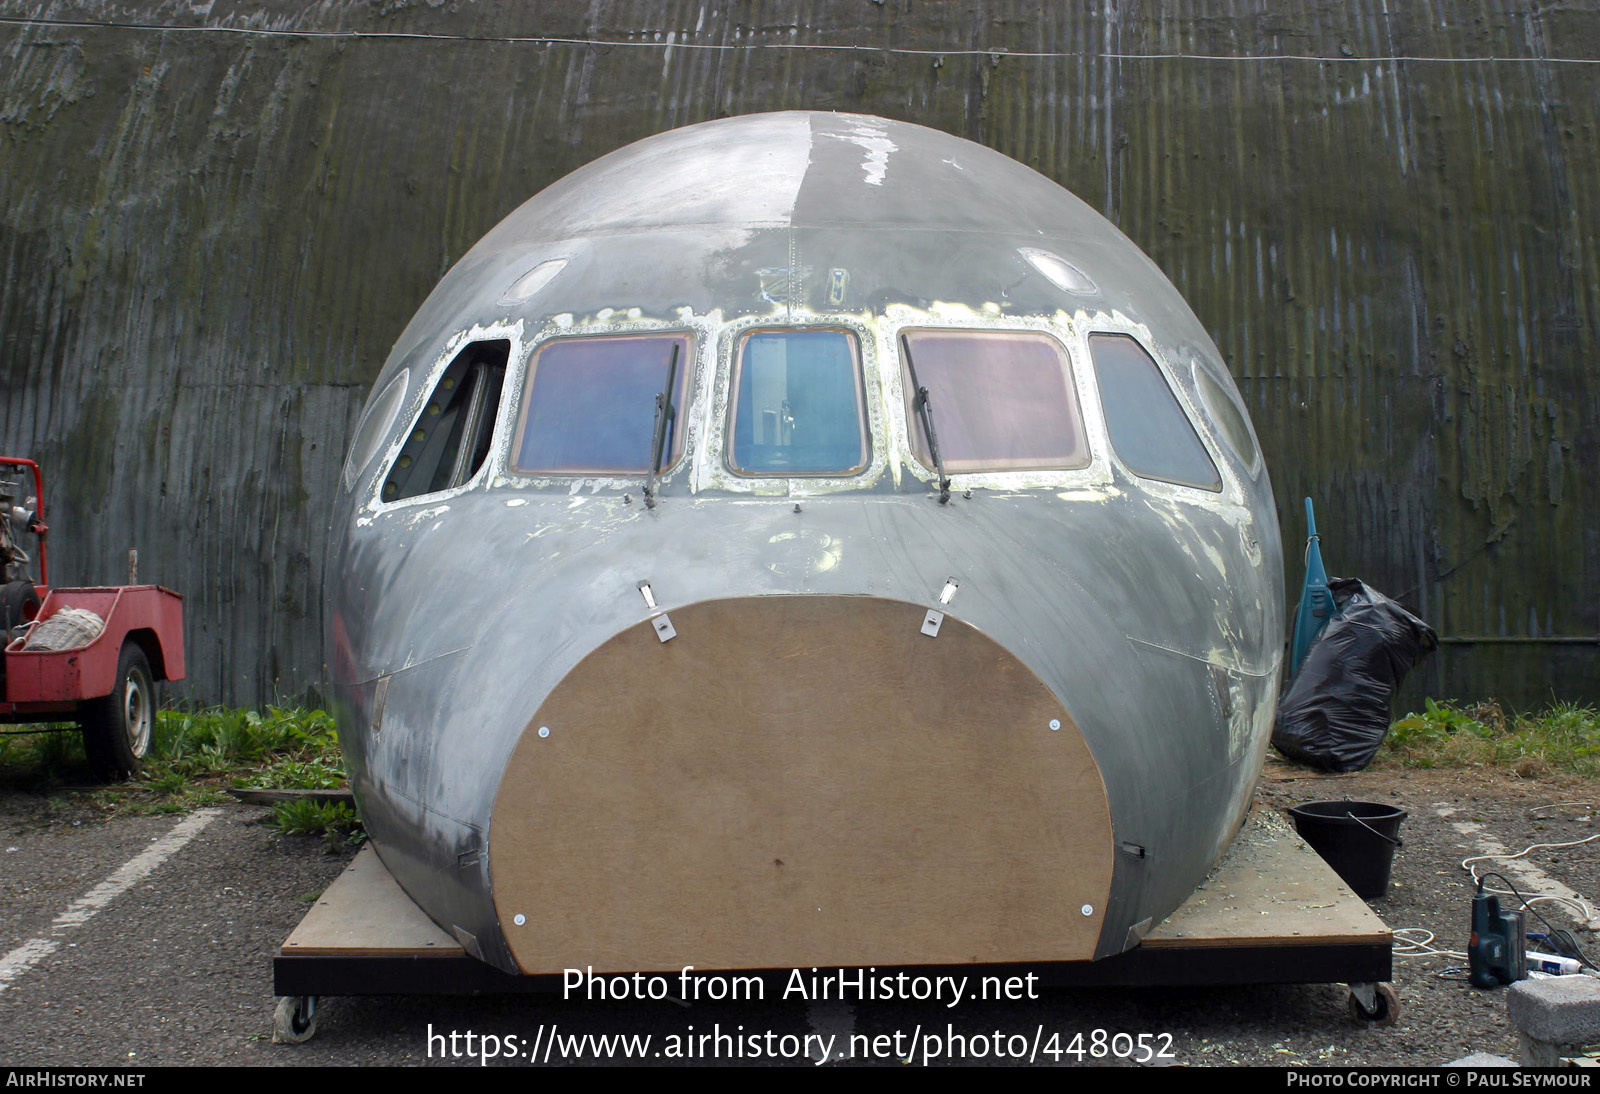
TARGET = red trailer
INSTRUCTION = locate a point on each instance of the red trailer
(107, 683)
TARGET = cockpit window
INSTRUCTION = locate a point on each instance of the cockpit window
(376, 422)
(1228, 416)
(450, 440)
(1149, 430)
(589, 405)
(1000, 400)
(798, 404)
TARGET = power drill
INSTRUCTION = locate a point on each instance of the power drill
(1496, 953)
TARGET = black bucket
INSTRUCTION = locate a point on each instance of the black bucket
(1358, 839)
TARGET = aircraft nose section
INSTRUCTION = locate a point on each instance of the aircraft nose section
(786, 781)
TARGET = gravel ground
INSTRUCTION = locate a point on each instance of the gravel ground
(176, 970)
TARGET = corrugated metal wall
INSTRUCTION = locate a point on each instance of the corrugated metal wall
(1385, 217)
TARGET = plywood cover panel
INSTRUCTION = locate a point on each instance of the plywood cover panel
(798, 781)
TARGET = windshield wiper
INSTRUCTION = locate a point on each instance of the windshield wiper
(925, 413)
(665, 412)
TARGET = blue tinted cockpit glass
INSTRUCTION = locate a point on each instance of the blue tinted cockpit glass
(589, 405)
(1152, 435)
(798, 408)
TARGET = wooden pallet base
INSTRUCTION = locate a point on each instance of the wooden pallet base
(1272, 912)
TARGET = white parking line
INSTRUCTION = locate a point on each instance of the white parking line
(1536, 881)
(26, 956)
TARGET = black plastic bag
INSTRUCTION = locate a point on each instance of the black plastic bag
(1337, 709)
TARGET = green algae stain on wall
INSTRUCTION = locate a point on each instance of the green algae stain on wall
(211, 241)
(88, 458)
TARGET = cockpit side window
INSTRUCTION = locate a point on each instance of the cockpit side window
(1000, 400)
(376, 421)
(589, 405)
(1151, 434)
(799, 407)
(450, 440)
(1228, 416)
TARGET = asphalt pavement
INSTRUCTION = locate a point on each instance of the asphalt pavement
(148, 940)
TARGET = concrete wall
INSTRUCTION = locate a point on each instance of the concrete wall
(210, 239)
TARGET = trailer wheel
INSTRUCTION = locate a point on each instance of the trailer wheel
(295, 1019)
(116, 728)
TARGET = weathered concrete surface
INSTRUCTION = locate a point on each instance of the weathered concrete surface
(1555, 1017)
(1482, 1059)
(210, 240)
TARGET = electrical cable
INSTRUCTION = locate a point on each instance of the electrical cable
(1572, 903)
(1557, 805)
(1405, 945)
(1557, 937)
(670, 41)
(1418, 941)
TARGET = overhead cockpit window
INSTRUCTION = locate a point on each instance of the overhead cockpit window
(1227, 415)
(589, 406)
(798, 404)
(998, 400)
(1152, 435)
(450, 440)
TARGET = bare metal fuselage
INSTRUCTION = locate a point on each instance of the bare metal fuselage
(801, 775)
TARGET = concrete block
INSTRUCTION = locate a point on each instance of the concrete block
(1482, 1059)
(1563, 1010)
(1540, 1053)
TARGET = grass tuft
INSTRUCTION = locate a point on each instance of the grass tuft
(335, 822)
(1564, 739)
(194, 755)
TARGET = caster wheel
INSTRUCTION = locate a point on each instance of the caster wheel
(295, 1020)
(1384, 1008)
